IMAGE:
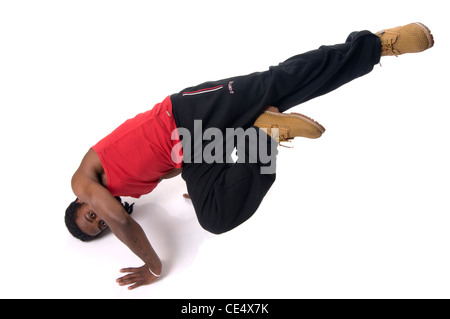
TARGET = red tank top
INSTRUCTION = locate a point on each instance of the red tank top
(139, 152)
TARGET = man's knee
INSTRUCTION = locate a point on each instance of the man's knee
(225, 219)
(214, 227)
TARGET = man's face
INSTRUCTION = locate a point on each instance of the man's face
(88, 221)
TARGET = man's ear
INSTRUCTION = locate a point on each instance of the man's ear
(78, 201)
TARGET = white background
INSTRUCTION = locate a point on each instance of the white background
(362, 212)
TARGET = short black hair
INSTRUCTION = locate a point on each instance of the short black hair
(74, 229)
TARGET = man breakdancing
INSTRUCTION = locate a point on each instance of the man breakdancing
(158, 144)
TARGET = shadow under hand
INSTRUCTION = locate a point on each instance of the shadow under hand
(176, 239)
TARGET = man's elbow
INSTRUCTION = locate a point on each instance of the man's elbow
(79, 187)
(73, 184)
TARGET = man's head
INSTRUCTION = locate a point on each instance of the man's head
(83, 223)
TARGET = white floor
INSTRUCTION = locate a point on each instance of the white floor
(362, 212)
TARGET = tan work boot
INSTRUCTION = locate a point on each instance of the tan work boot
(411, 38)
(289, 126)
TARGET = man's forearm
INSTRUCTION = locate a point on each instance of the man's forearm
(121, 224)
(88, 189)
(132, 235)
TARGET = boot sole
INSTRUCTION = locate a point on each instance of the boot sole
(427, 33)
(281, 117)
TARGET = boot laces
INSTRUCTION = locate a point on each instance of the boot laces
(275, 134)
(388, 47)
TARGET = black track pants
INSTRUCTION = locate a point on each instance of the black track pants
(224, 194)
